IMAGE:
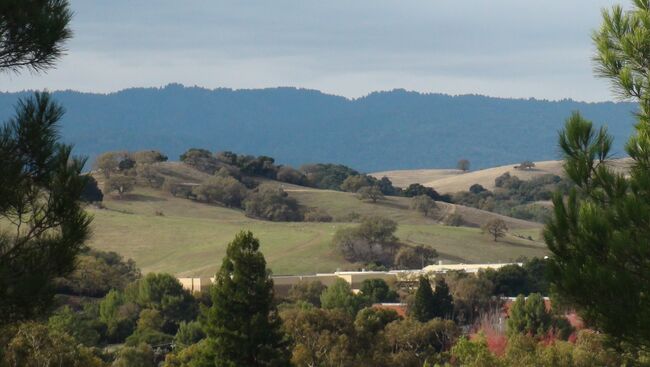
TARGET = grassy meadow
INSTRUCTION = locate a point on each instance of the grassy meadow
(190, 238)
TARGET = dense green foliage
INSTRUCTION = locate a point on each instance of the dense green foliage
(271, 202)
(96, 273)
(599, 234)
(515, 197)
(42, 226)
(242, 325)
(33, 33)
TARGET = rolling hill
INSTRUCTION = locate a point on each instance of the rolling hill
(451, 181)
(164, 233)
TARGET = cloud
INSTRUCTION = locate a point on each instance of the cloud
(497, 47)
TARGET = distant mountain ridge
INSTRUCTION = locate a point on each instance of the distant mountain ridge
(382, 131)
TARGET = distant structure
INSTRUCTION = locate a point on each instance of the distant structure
(284, 282)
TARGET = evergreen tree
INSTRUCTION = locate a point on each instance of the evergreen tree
(32, 33)
(600, 234)
(443, 302)
(243, 326)
(42, 226)
(422, 309)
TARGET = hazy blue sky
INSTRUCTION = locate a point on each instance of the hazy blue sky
(509, 48)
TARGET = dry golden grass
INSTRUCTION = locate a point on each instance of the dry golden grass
(451, 181)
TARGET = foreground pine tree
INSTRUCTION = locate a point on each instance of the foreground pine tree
(600, 234)
(42, 225)
(243, 325)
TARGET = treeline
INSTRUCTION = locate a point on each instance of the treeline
(240, 181)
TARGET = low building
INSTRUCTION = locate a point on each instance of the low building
(355, 278)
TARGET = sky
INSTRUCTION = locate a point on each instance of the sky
(502, 48)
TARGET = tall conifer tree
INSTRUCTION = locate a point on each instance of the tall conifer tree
(422, 309)
(243, 325)
(600, 234)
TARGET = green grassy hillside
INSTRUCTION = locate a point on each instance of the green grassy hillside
(190, 238)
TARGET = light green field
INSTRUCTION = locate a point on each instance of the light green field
(190, 238)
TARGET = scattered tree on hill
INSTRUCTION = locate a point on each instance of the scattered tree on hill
(145, 157)
(477, 189)
(45, 227)
(201, 160)
(496, 227)
(372, 193)
(270, 202)
(387, 188)
(526, 165)
(120, 184)
(423, 204)
(417, 189)
(356, 182)
(373, 241)
(415, 257)
(463, 165)
(243, 326)
(107, 163)
(33, 34)
(423, 303)
(91, 192)
(149, 175)
(224, 190)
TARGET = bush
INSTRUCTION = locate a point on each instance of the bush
(272, 203)
(224, 190)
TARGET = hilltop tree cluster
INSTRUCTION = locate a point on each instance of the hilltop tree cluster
(514, 197)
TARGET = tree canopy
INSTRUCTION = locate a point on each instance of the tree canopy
(599, 234)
